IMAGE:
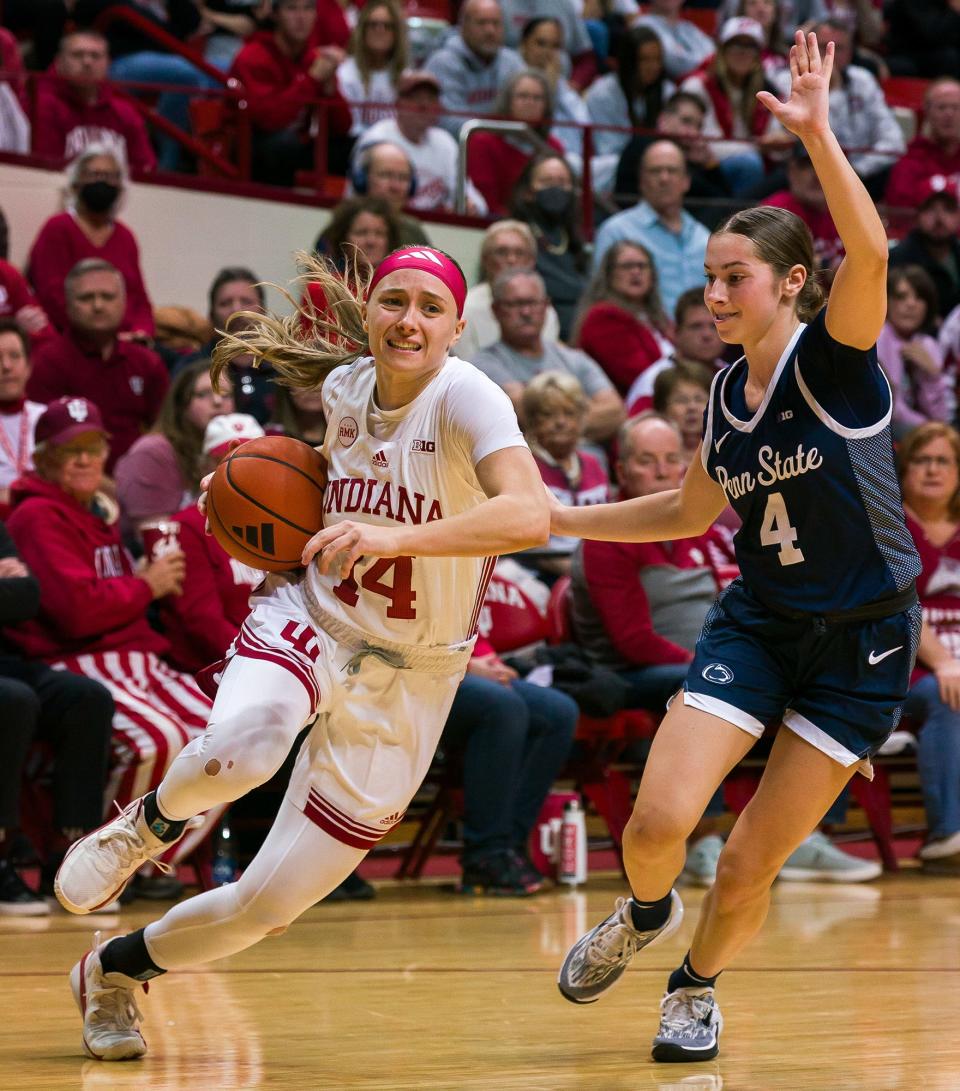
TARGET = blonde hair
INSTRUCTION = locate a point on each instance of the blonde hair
(497, 228)
(305, 346)
(549, 387)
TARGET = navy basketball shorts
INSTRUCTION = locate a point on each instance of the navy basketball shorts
(839, 685)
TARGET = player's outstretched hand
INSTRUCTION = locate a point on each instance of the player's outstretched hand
(806, 111)
(557, 511)
(339, 547)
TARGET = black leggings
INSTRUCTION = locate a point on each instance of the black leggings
(74, 716)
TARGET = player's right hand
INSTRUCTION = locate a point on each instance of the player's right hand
(165, 574)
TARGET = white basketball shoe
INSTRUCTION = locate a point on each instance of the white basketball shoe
(597, 960)
(98, 866)
(108, 1007)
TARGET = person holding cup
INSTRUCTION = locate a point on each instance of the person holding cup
(93, 601)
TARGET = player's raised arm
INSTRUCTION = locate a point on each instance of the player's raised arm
(660, 517)
(858, 298)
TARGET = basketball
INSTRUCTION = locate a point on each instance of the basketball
(266, 501)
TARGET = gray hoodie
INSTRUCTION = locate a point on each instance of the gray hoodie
(468, 83)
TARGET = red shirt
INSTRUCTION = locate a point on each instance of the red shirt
(922, 160)
(611, 571)
(938, 588)
(281, 89)
(331, 27)
(127, 387)
(620, 343)
(495, 165)
(201, 622)
(15, 293)
(826, 239)
(65, 125)
(61, 243)
(90, 598)
(12, 62)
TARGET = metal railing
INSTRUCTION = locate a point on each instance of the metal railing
(489, 125)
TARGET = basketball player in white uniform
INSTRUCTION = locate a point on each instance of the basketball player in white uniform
(429, 479)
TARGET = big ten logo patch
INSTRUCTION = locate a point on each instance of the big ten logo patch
(303, 639)
(348, 431)
(425, 445)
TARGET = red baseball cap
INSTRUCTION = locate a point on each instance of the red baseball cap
(66, 418)
(942, 186)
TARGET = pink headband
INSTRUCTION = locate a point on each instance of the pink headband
(427, 260)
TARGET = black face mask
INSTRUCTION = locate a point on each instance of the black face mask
(99, 196)
(553, 201)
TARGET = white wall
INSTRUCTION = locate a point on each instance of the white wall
(185, 236)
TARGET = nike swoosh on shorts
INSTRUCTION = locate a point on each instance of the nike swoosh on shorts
(873, 659)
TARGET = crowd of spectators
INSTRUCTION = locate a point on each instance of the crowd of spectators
(603, 343)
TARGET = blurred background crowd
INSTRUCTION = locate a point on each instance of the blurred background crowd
(594, 143)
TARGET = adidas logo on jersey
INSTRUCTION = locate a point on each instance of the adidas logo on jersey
(380, 459)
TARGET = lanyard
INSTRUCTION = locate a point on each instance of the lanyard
(19, 457)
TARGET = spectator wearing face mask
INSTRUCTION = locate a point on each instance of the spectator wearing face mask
(96, 181)
(545, 198)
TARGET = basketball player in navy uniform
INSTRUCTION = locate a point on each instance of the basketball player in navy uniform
(819, 633)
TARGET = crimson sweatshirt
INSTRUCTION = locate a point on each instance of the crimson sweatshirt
(90, 599)
(127, 387)
(280, 88)
(201, 622)
(65, 125)
(61, 243)
(621, 344)
(14, 294)
(922, 160)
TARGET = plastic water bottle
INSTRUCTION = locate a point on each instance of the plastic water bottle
(572, 865)
(224, 856)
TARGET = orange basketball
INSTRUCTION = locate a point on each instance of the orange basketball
(266, 501)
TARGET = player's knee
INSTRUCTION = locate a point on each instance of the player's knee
(652, 831)
(249, 747)
(743, 874)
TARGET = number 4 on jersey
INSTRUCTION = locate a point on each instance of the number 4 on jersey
(400, 593)
(776, 530)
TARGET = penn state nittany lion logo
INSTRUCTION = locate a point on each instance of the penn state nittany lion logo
(718, 672)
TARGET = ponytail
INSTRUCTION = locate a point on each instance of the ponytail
(305, 346)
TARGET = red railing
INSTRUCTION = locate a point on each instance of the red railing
(223, 144)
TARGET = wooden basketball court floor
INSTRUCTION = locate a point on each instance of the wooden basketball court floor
(847, 987)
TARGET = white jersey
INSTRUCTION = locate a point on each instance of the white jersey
(410, 465)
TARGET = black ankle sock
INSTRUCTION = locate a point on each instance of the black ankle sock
(649, 915)
(685, 977)
(128, 955)
(166, 829)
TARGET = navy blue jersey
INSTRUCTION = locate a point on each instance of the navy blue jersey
(811, 475)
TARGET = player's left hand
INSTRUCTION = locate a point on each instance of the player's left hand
(337, 548)
(806, 111)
